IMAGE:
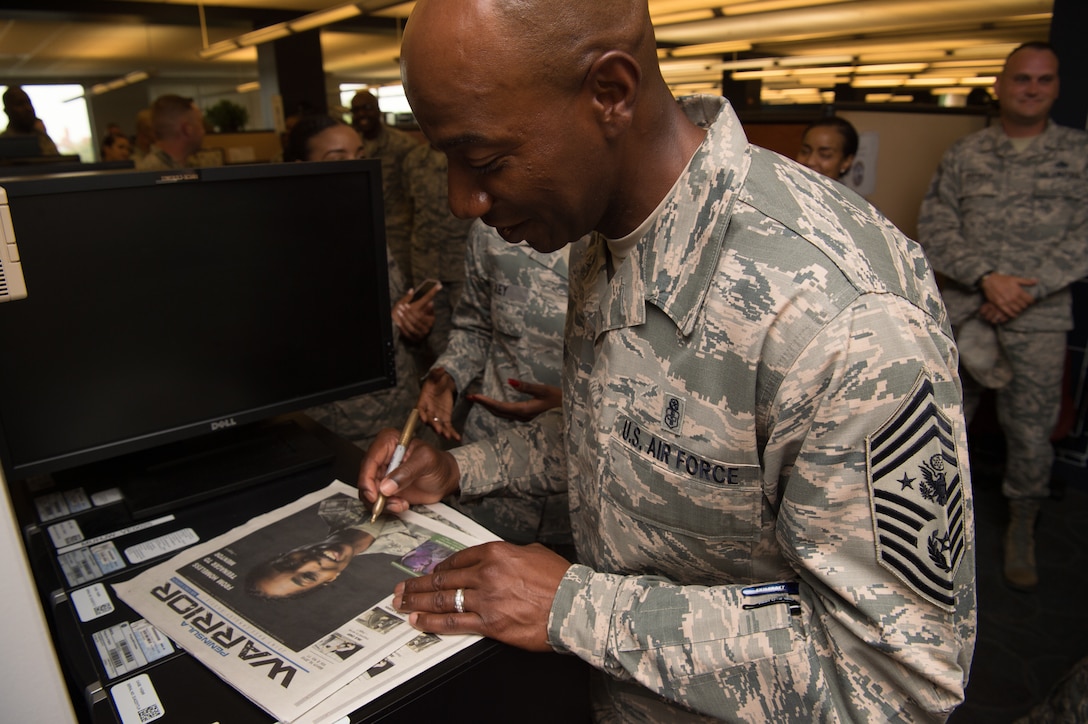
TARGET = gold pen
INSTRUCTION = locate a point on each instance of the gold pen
(398, 455)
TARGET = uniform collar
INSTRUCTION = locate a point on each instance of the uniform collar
(555, 261)
(674, 263)
(1002, 145)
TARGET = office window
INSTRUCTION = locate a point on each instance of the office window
(63, 110)
(390, 98)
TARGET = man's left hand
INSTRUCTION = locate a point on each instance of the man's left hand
(992, 314)
(507, 594)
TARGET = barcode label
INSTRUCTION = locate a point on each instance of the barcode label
(91, 602)
(152, 643)
(149, 713)
(77, 500)
(65, 533)
(119, 650)
(136, 701)
(79, 567)
(51, 506)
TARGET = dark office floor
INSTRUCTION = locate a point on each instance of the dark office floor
(1026, 641)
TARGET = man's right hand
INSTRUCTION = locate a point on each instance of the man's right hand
(1007, 293)
(426, 475)
(415, 318)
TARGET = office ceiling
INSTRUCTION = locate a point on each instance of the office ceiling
(798, 49)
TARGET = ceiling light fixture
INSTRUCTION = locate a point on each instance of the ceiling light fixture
(324, 17)
(687, 51)
(302, 24)
(805, 60)
(128, 79)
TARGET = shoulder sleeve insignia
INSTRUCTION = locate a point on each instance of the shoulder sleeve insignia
(916, 496)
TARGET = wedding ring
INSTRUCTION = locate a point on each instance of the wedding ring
(459, 600)
(436, 419)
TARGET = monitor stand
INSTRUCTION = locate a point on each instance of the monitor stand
(180, 474)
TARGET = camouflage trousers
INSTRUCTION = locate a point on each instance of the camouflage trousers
(1027, 408)
(1067, 702)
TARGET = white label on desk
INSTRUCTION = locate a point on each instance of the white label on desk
(151, 641)
(136, 701)
(118, 649)
(118, 533)
(92, 602)
(106, 497)
(65, 533)
(51, 506)
(77, 500)
(79, 566)
(161, 546)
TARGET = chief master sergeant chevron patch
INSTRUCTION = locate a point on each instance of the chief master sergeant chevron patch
(917, 496)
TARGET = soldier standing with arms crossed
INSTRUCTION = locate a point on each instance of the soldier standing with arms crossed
(762, 433)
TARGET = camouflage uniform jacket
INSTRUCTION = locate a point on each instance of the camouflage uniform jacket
(390, 146)
(764, 391)
(990, 208)
(157, 159)
(438, 237)
(508, 324)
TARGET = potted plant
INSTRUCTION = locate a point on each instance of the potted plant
(228, 116)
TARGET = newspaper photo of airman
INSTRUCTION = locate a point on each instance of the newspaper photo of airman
(303, 577)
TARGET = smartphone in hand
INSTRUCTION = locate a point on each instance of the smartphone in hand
(425, 286)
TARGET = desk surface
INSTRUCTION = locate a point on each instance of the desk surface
(489, 682)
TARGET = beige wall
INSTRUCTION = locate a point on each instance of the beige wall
(910, 148)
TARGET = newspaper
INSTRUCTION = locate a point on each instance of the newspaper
(297, 603)
(423, 651)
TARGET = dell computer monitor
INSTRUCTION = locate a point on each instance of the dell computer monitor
(163, 306)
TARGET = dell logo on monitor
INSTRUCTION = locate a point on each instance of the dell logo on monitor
(224, 423)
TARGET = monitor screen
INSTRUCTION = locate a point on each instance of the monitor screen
(161, 306)
(62, 164)
(19, 147)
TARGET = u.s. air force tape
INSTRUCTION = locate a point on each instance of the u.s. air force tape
(678, 459)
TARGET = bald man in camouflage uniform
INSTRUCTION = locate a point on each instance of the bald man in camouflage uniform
(509, 325)
(1008, 208)
(438, 245)
(762, 433)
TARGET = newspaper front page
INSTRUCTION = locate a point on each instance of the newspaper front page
(297, 603)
